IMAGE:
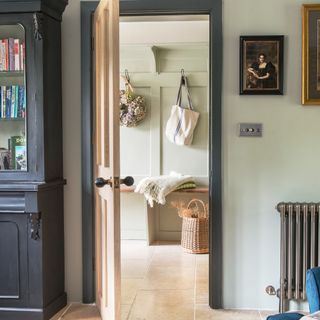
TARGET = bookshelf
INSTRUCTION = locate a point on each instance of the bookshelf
(13, 141)
(31, 171)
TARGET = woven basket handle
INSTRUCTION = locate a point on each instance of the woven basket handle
(203, 213)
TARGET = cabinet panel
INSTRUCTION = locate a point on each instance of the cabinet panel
(9, 267)
(13, 257)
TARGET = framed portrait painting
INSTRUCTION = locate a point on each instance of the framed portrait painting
(261, 65)
(311, 54)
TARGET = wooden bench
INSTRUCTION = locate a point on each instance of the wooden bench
(193, 190)
(151, 212)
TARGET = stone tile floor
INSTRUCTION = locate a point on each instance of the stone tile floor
(161, 282)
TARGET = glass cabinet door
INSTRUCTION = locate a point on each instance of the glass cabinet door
(13, 111)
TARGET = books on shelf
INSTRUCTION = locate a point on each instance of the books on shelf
(12, 102)
(12, 55)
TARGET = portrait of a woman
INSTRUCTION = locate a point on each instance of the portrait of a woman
(262, 74)
(261, 65)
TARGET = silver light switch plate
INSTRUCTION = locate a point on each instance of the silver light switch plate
(250, 129)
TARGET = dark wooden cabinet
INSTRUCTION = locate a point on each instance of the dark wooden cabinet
(31, 170)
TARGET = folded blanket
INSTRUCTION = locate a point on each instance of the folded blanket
(157, 188)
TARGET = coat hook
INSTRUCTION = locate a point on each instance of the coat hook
(183, 77)
(126, 73)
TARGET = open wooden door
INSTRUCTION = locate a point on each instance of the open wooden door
(107, 216)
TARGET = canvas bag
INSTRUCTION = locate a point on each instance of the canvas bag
(182, 121)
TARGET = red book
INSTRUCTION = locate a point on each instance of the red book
(17, 55)
(6, 55)
(2, 56)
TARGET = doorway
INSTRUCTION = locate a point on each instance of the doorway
(157, 53)
(131, 8)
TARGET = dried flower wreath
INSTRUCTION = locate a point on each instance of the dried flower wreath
(132, 107)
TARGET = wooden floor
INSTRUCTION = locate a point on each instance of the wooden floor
(162, 282)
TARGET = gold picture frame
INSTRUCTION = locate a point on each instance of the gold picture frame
(311, 54)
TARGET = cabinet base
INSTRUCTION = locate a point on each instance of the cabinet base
(34, 314)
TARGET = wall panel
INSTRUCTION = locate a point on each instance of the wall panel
(145, 150)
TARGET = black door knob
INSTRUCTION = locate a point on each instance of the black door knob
(100, 182)
(128, 181)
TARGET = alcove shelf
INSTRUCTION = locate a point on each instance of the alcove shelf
(162, 58)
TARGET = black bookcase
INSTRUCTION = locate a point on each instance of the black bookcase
(31, 170)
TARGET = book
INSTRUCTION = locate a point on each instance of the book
(11, 55)
(21, 158)
(6, 54)
(22, 56)
(3, 101)
(2, 56)
(17, 141)
(8, 102)
(16, 102)
(13, 101)
(17, 55)
(21, 102)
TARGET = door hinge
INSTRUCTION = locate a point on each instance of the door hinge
(93, 264)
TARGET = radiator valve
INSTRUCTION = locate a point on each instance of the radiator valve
(271, 291)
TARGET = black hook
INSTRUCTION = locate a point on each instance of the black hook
(126, 74)
(183, 77)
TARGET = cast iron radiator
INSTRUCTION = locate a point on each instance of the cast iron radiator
(298, 251)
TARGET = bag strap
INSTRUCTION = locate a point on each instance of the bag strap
(179, 97)
(184, 83)
(188, 92)
(126, 80)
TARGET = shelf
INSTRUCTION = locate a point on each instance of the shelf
(11, 74)
(12, 119)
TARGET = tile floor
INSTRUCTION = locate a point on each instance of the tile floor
(161, 282)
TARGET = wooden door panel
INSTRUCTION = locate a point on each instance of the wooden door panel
(107, 168)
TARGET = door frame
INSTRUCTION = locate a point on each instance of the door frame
(155, 7)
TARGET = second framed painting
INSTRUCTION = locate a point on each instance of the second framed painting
(261, 65)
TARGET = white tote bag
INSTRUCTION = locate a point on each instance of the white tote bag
(182, 121)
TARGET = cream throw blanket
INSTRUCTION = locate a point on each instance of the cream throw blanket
(157, 188)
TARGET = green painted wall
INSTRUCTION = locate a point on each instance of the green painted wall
(257, 173)
(145, 150)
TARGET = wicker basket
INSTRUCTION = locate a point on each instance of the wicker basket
(195, 229)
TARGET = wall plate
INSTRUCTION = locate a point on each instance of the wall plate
(250, 129)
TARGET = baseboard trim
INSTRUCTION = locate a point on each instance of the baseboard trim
(34, 313)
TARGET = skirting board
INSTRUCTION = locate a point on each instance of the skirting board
(34, 314)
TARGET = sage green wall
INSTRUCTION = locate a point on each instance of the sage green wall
(145, 150)
(258, 173)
